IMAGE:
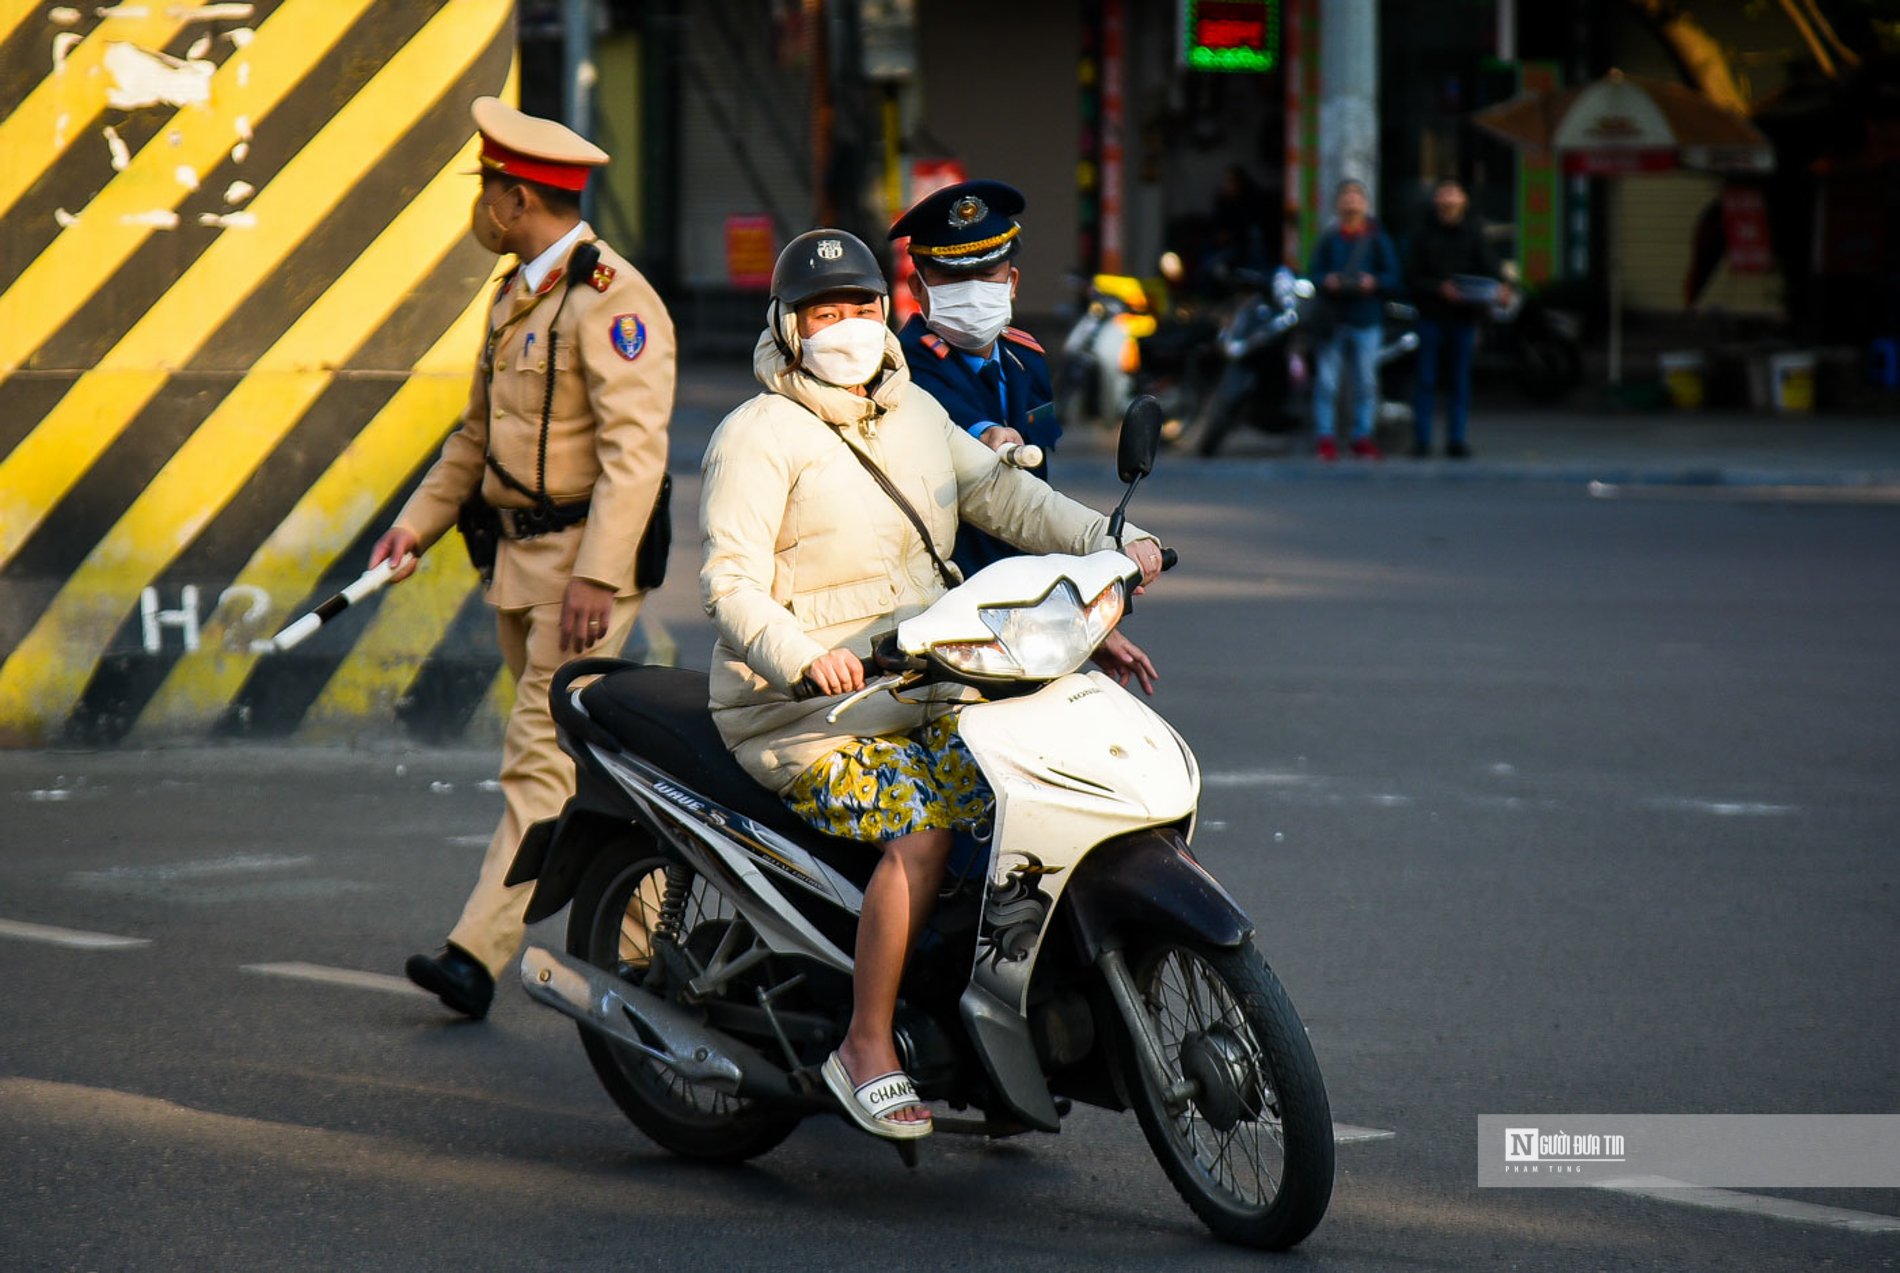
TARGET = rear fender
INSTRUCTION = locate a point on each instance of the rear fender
(555, 853)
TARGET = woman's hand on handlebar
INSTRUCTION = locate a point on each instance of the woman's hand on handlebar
(837, 672)
(1146, 553)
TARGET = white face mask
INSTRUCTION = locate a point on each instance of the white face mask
(970, 314)
(847, 353)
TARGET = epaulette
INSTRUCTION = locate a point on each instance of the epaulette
(936, 344)
(1021, 337)
(602, 278)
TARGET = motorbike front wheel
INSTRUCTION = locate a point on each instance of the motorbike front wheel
(626, 903)
(1250, 1150)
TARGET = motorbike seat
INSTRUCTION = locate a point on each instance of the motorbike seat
(661, 715)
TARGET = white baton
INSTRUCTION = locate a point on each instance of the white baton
(366, 583)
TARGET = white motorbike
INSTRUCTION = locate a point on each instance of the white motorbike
(1081, 953)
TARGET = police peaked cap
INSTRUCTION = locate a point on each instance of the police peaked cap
(964, 227)
(820, 261)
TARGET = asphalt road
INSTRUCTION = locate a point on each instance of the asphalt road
(1544, 804)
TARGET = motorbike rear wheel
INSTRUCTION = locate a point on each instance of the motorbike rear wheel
(1251, 1151)
(617, 911)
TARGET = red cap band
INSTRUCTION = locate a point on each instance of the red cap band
(498, 158)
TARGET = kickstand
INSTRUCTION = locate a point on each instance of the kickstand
(907, 1150)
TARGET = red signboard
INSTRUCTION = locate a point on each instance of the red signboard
(751, 251)
(1745, 218)
(1617, 161)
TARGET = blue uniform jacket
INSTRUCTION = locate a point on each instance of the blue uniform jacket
(946, 375)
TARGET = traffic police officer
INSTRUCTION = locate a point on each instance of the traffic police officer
(564, 439)
(991, 377)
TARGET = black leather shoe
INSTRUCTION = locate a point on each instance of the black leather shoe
(455, 977)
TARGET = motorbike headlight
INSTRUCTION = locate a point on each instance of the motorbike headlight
(1038, 642)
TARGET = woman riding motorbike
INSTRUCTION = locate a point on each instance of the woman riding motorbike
(830, 502)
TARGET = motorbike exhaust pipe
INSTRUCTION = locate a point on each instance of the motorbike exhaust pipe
(648, 1024)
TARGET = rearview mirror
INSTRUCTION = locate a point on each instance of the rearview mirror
(1140, 439)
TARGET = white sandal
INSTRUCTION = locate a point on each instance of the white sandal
(869, 1102)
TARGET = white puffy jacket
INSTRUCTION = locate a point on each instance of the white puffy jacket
(805, 553)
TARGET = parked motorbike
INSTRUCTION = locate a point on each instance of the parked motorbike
(1085, 955)
(1267, 373)
(1537, 347)
(1128, 344)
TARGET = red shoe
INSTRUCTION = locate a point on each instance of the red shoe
(1326, 449)
(1367, 449)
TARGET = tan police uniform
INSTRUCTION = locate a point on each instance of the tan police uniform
(607, 342)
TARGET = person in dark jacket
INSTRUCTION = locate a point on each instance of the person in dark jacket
(1355, 266)
(1453, 276)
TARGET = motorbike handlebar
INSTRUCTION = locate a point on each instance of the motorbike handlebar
(1169, 558)
(885, 660)
(1020, 455)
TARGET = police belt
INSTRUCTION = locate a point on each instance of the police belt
(541, 519)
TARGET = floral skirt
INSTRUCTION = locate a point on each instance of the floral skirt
(877, 789)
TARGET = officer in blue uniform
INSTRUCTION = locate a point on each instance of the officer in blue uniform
(992, 378)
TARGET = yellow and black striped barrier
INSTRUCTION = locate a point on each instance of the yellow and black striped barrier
(238, 312)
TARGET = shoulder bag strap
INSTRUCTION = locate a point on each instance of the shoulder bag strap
(948, 573)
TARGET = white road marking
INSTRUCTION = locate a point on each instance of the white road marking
(1663, 1189)
(1257, 778)
(1347, 1134)
(240, 864)
(1727, 808)
(340, 977)
(470, 840)
(67, 936)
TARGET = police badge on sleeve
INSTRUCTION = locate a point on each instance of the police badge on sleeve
(629, 335)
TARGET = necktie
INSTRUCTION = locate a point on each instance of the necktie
(991, 374)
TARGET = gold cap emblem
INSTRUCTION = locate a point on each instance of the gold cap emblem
(967, 211)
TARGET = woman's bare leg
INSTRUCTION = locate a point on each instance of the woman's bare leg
(897, 901)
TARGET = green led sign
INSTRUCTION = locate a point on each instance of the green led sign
(1230, 35)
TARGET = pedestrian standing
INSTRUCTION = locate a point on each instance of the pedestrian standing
(561, 458)
(1357, 267)
(991, 377)
(1454, 277)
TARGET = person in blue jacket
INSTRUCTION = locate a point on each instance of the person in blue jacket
(992, 378)
(1355, 266)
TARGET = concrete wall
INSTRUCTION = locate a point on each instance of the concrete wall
(238, 311)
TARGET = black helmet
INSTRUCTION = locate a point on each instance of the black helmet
(820, 261)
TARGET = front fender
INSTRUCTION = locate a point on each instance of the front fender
(1146, 886)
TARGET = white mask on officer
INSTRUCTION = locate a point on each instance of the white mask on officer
(970, 313)
(848, 353)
